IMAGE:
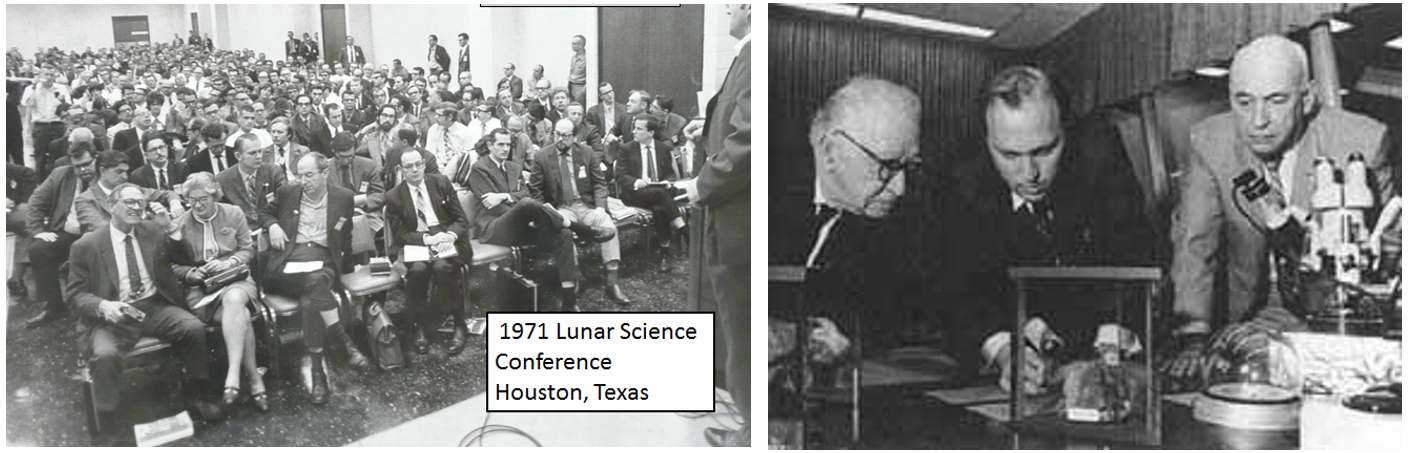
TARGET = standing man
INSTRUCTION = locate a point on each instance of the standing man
(1275, 129)
(720, 243)
(578, 71)
(436, 56)
(43, 99)
(353, 54)
(463, 61)
(292, 48)
(570, 178)
(510, 82)
(424, 211)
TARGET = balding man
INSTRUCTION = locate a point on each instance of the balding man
(1275, 129)
(1039, 195)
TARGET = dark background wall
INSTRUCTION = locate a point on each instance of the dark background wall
(809, 58)
(670, 39)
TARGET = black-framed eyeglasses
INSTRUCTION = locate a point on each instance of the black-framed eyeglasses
(887, 168)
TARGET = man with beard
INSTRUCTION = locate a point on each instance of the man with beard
(375, 139)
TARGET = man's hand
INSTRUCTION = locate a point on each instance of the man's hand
(277, 237)
(47, 237)
(601, 211)
(639, 184)
(689, 185)
(1035, 370)
(610, 139)
(1189, 361)
(693, 128)
(111, 311)
(490, 200)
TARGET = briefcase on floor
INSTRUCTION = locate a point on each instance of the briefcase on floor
(386, 349)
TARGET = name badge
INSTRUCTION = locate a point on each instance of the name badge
(601, 167)
(582, 171)
(339, 225)
(363, 187)
(269, 197)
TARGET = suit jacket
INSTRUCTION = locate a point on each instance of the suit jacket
(393, 160)
(671, 129)
(514, 83)
(49, 205)
(486, 177)
(358, 58)
(20, 182)
(232, 233)
(310, 50)
(293, 152)
(503, 114)
(124, 141)
(401, 215)
(1208, 229)
(146, 176)
(268, 179)
(608, 125)
(723, 183)
(93, 274)
(92, 209)
(313, 133)
(546, 180)
(629, 166)
(443, 59)
(285, 212)
(463, 59)
(201, 161)
(293, 48)
(367, 180)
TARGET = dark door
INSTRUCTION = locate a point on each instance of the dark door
(656, 49)
(335, 29)
(195, 24)
(130, 30)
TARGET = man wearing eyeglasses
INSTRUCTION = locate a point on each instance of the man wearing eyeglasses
(448, 139)
(1044, 197)
(423, 212)
(160, 172)
(570, 178)
(251, 183)
(113, 169)
(310, 129)
(52, 221)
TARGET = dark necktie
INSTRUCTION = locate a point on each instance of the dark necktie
(162, 179)
(568, 186)
(1035, 233)
(134, 281)
(346, 171)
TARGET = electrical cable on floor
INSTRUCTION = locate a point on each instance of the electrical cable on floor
(487, 428)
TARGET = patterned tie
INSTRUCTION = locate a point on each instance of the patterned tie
(420, 206)
(250, 186)
(569, 184)
(162, 179)
(134, 281)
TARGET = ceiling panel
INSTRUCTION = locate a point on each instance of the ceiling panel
(1016, 25)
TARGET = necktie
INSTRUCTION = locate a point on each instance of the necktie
(652, 165)
(346, 172)
(281, 156)
(420, 206)
(162, 179)
(1035, 233)
(446, 140)
(250, 187)
(134, 281)
(568, 186)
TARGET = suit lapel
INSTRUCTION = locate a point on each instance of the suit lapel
(1303, 177)
(110, 259)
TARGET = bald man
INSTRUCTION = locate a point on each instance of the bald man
(1275, 129)
(1036, 195)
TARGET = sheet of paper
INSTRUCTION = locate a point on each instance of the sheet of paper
(302, 267)
(446, 250)
(162, 431)
(416, 253)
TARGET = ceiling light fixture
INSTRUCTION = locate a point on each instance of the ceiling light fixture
(839, 9)
(926, 24)
(1212, 71)
(1395, 43)
(1337, 26)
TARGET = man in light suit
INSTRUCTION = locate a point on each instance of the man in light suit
(506, 214)
(1275, 130)
(284, 153)
(251, 183)
(352, 54)
(643, 164)
(313, 222)
(510, 82)
(125, 266)
(570, 178)
(720, 242)
(423, 211)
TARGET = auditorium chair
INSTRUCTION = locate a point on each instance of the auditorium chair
(498, 259)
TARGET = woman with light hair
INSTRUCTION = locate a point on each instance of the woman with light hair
(212, 238)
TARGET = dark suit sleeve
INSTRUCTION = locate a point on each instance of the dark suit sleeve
(396, 225)
(727, 172)
(82, 265)
(536, 177)
(1196, 237)
(376, 196)
(626, 176)
(270, 214)
(600, 184)
(41, 203)
(480, 182)
(452, 206)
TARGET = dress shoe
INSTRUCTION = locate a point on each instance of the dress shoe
(319, 392)
(615, 293)
(457, 340)
(44, 317)
(261, 401)
(419, 342)
(17, 289)
(718, 437)
(602, 234)
(356, 359)
(665, 265)
(204, 411)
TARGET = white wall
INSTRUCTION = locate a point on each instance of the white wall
(76, 27)
(264, 28)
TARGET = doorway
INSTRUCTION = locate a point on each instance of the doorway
(335, 30)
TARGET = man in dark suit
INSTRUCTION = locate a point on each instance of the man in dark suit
(721, 243)
(463, 60)
(160, 172)
(310, 49)
(292, 48)
(423, 211)
(506, 106)
(1044, 197)
(608, 112)
(310, 129)
(125, 266)
(312, 222)
(130, 140)
(643, 173)
(507, 215)
(352, 54)
(53, 223)
(20, 183)
(570, 178)
(510, 82)
(250, 184)
(437, 54)
(360, 175)
(405, 142)
(355, 118)
(673, 125)
(216, 157)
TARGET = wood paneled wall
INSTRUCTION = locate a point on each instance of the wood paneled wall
(810, 57)
(1125, 49)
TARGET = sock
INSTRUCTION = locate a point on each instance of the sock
(570, 298)
(612, 274)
